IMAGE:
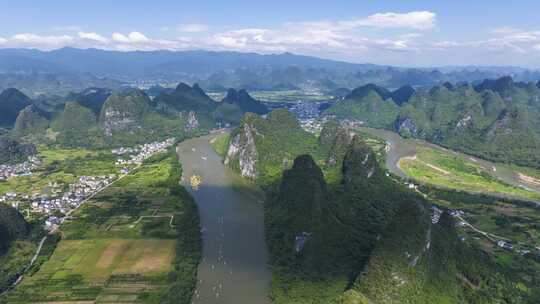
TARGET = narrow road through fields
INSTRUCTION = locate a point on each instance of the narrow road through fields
(234, 265)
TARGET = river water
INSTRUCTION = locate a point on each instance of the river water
(234, 265)
(403, 147)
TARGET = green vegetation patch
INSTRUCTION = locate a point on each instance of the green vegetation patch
(443, 169)
(221, 143)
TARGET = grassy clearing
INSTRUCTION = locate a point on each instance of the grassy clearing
(443, 169)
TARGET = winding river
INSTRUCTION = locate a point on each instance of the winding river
(402, 147)
(234, 265)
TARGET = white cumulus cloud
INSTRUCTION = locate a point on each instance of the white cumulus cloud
(133, 37)
(419, 20)
(45, 41)
(93, 37)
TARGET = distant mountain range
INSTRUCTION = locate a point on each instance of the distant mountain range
(60, 71)
(106, 63)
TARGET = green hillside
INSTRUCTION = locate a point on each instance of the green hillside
(420, 262)
(260, 148)
(367, 239)
(12, 226)
(367, 106)
(14, 151)
(92, 98)
(30, 121)
(498, 119)
(15, 249)
(235, 104)
(132, 118)
(11, 102)
(228, 113)
(76, 126)
(342, 221)
(185, 99)
(244, 101)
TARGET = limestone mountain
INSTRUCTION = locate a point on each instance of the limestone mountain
(262, 147)
(92, 98)
(30, 121)
(359, 164)
(235, 104)
(15, 151)
(11, 102)
(333, 143)
(124, 112)
(246, 103)
(420, 261)
(497, 119)
(296, 217)
(324, 231)
(370, 240)
(402, 95)
(132, 117)
(228, 113)
(75, 126)
(370, 104)
(185, 99)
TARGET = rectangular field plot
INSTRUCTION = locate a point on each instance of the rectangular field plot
(101, 270)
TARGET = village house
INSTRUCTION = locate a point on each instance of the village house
(505, 245)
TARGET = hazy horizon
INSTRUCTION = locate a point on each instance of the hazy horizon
(412, 34)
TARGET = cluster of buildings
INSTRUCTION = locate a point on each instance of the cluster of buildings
(505, 245)
(312, 125)
(21, 169)
(306, 109)
(138, 154)
(59, 202)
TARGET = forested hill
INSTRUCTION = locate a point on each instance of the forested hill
(14, 151)
(497, 119)
(12, 226)
(11, 102)
(366, 239)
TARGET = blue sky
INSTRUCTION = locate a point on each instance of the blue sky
(406, 33)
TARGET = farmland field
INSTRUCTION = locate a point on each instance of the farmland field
(138, 241)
